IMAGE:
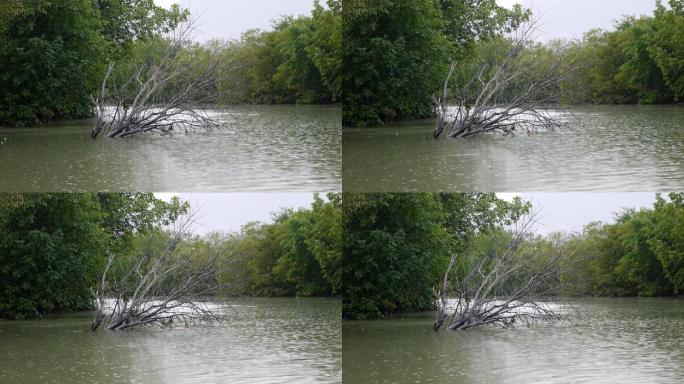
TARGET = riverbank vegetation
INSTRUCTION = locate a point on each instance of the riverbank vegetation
(54, 55)
(409, 252)
(641, 254)
(641, 61)
(397, 246)
(55, 249)
(394, 69)
(298, 254)
(397, 53)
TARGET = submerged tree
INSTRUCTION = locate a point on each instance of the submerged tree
(507, 282)
(164, 282)
(395, 245)
(164, 94)
(505, 95)
(53, 53)
(396, 53)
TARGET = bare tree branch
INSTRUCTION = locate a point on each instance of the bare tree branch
(506, 97)
(511, 283)
(162, 287)
(164, 96)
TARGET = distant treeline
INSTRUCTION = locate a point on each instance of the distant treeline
(396, 56)
(299, 61)
(54, 248)
(640, 62)
(641, 254)
(298, 254)
(397, 247)
(54, 54)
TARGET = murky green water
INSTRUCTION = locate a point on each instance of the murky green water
(613, 341)
(610, 148)
(264, 148)
(264, 341)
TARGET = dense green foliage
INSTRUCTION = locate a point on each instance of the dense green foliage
(397, 246)
(53, 246)
(54, 54)
(50, 58)
(640, 62)
(396, 53)
(641, 254)
(297, 62)
(297, 255)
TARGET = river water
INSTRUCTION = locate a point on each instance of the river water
(264, 148)
(607, 341)
(264, 340)
(605, 148)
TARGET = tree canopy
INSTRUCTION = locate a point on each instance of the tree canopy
(397, 246)
(396, 53)
(641, 254)
(641, 61)
(54, 55)
(298, 254)
(297, 62)
(53, 246)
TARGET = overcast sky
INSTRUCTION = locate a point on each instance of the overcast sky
(227, 212)
(227, 19)
(570, 212)
(560, 18)
(571, 18)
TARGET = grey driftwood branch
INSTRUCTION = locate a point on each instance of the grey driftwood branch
(503, 97)
(509, 285)
(164, 287)
(164, 96)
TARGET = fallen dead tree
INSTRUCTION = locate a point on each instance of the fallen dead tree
(509, 284)
(163, 96)
(162, 286)
(505, 97)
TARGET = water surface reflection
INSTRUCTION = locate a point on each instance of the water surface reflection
(264, 341)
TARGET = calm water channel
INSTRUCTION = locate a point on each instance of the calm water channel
(264, 148)
(612, 341)
(607, 148)
(264, 341)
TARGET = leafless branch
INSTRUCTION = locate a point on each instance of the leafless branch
(164, 96)
(507, 97)
(162, 286)
(511, 283)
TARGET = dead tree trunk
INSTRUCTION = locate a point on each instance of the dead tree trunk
(164, 96)
(508, 285)
(506, 97)
(161, 288)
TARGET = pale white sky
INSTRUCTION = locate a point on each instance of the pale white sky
(560, 18)
(570, 212)
(228, 19)
(227, 212)
(571, 18)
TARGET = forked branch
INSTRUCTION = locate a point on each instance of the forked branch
(507, 97)
(163, 96)
(512, 282)
(162, 286)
